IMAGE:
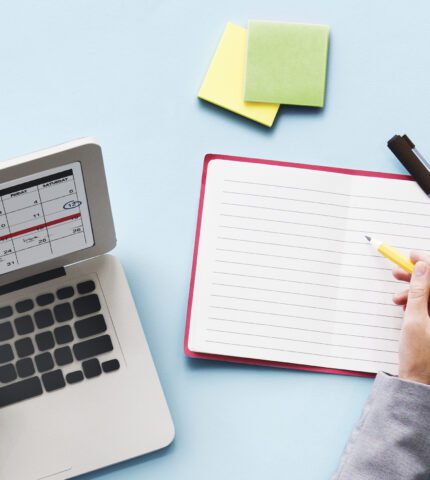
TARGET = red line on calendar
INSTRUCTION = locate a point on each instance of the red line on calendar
(40, 226)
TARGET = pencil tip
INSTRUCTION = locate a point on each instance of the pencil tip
(368, 238)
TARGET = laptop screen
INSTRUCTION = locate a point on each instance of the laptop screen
(43, 216)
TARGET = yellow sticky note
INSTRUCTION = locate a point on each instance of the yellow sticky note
(225, 79)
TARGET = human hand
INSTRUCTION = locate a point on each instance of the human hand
(414, 350)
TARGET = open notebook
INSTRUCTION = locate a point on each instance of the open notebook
(282, 274)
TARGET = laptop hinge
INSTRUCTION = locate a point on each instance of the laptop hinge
(33, 280)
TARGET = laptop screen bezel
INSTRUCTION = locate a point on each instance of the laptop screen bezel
(88, 153)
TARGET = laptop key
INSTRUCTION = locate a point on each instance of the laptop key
(24, 305)
(86, 305)
(65, 292)
(16, 392)
(90, 326)
(63, 312)
(93, 347)
(74, 377)
(110, 366)
(63, 334)
(45, 341)
(7, 373)
(45, 299)
(24, 325)
(86, 287)
(63, 356)
(53, 380)
(5, 312)
(44, 362)
(25, 367)
(6, 331)
(44, 318)
(24, 347)
(91, 368)
(6, 353)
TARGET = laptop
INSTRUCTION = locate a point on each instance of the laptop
(78, 388)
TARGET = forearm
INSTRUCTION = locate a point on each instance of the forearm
(392, 438)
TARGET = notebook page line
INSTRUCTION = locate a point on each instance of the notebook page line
(344, 194)
(345, 206)
(220, 319)
(330, 344)
(307, 283)
(370, 220)
(338, 240)
(372, 231)
(297, 246)
(303, 258)
(346, 324)
(305, 354)
(299, 293)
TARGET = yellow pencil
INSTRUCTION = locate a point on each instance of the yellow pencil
(392, 254)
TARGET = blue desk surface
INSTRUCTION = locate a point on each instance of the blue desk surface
(127, 73)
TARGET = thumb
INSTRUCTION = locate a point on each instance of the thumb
(419, 289)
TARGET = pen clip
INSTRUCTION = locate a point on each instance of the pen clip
(418, 167)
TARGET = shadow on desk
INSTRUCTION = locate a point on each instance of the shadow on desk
(284, 111)
(197, 364)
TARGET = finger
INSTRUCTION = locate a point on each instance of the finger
(417, 255)
(401, 298)
(401, 275)
(419, 290)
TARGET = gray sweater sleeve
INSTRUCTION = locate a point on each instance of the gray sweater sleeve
(392, 439)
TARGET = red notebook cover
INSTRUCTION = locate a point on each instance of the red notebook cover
(252, 361)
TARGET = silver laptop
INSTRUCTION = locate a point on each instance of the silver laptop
(78, 388)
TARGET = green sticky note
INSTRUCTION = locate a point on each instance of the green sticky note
(286, 63)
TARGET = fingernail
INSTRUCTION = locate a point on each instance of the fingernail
(420, 269)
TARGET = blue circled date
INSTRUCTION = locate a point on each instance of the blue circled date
(72, 204)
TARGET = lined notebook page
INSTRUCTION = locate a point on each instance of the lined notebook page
(285, 274)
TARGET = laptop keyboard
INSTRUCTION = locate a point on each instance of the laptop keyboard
(51, 341)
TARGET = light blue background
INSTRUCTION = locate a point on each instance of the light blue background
(128, 72)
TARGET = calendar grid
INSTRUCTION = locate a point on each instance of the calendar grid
(74, 183)
(44, 218)
(8, 227)
(41, 218)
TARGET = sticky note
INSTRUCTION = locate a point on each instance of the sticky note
(286, 63)
(224, 81)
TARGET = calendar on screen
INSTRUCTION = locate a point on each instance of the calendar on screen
(43, 216)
